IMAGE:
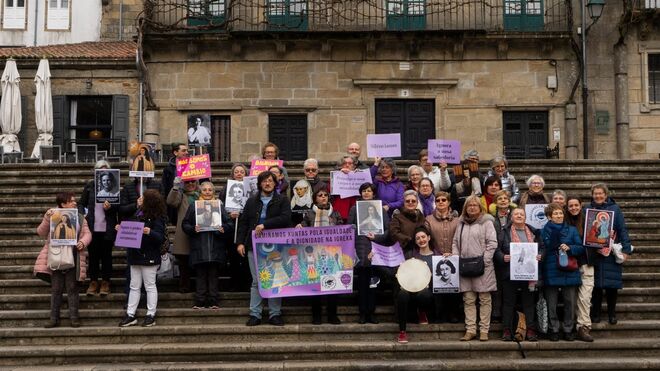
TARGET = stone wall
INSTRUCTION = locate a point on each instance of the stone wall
(128, 11)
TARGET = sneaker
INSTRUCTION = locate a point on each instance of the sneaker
(253, 321)
(52, 323)
(553, 336)
(149, 321)
(215, 307)
(569, 336)
(373, 282)
(128, 321)
(403, 338)
(198, 306)
(583, 334)
(423, 320)
(276, 321)
(531, 335)
(612, 320)
(93, 288)
(506, 335)
(75, 323)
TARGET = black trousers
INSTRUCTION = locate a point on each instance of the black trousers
(510, 292)
(100, 251)
(58, 280)
(240, 278)
(423, 301)
(206, 284)
(366, 295)
(331, 301)
(597, 301)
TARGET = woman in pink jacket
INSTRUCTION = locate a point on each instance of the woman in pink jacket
(67, 277)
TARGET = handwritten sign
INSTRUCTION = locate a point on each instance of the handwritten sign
(259, 166)
(348, 185)
(388, 256)
(194, 167)
(448, 151)
(384, 145)
(129, 235)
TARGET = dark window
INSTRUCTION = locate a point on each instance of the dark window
(221, 138)
(206, 12)
(289, 133)
(286, 15)
(414, 119)
(525, 134)
(654, 78)
(523, 15)
(406, 15)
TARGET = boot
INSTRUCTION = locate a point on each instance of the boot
(93, 288)
(611, 305)
(583, 334)
(105, 288)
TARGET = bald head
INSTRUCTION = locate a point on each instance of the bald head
(353, 149)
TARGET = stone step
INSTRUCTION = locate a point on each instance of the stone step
(318, 350)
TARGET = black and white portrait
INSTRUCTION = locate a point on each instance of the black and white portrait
(250, 186)
(236, 196)
(523, 264)
(445, 274)
(106, 184)
(207, 215)
(370, 217)
(199, 130)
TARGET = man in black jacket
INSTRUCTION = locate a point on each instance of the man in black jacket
(266, 210)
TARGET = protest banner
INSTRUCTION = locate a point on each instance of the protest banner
(535, 215)
(304, 261)
(348, 185)
(129, 235)
(448, 151)
(446, 277)
(387, 256)
(384, 145)
(260, 165)
(523, 264)
(64, 227)
(194, 167)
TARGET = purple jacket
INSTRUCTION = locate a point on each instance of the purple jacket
(391, 193)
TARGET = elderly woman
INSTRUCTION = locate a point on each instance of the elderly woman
(534, 194)
(415, 174)
(492, 185)
(499, 166)
(425, 195)
(501, 209)
(61, 278)
(343, 205)
(559, 197)
(404, 223)
(607, 272)
(560, 239)
(182, 196)
(389, 188)
(442, 226)
(439, 175)
(516, 232)
(475, 236)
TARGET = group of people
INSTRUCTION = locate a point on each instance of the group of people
(440, 210)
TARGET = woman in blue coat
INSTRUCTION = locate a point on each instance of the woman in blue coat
(608, 274)
(560, 238)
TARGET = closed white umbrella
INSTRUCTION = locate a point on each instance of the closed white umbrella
(43, 108)
(10, 108)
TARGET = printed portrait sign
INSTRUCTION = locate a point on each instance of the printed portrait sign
(207, 215)
(348, 185)
(250, 186)
(64, 227)
(387, 256)
(143, 164)
(535, 215)
(369, 217)
(129, 235)
(236, 196)
(106, 185)
(199, 130)
(598, 226)
(445, 274)
(301, 199)
(448, 151)
(194, 167)
(523, 265)
(258, 166)
(304, 261)
(384, 145)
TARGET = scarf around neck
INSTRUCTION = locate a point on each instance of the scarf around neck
(322, 216)
(516, 239)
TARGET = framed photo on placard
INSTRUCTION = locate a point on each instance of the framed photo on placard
(598, 226)
(370, 217)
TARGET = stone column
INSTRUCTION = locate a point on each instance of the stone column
(571, 132)
(621, 101)
(151, 127)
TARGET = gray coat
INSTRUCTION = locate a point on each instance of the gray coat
(176, 199)
(476, 239)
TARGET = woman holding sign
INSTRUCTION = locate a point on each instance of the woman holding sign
(517, 232)
(181, 197)
(389, 188)
(404, 223)
(59, 278)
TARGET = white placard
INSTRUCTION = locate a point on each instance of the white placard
(536, 215)
(523, 264)
(445, 274)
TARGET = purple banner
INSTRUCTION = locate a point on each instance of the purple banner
(384, 145)
(129, 235)
(448, 151)
(388, 256)
(304, 261)
(348, 185)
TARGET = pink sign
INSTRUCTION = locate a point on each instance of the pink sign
(448, 151)
(260, 165)
(384, 145)
(194, 167)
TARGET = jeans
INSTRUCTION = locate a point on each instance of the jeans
(100, 251)
(470, 308)
(256, 307)
(143, 274)
(58, 280)
(552, 297)
(584, 296)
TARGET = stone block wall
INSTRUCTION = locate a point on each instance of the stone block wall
(127, 11)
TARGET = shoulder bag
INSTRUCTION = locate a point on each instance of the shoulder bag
(60, 258)
(469, 267)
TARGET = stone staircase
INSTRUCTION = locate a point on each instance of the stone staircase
(204, 339)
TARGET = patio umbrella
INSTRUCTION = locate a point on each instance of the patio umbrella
(10, 108)
(43, 108)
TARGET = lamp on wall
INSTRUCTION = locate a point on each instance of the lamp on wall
(595, 8)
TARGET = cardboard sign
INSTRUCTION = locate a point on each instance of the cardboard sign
(446, 278)
(194, 167)
(348, 185)
(448, 151)
(387, 256)
(129, 235)
(260, 165)
(384, 145)
(523, 264)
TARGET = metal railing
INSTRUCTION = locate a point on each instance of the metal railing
(201, 16)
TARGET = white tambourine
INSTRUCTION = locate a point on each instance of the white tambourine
(414, 275)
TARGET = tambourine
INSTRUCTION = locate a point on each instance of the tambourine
(413, 275)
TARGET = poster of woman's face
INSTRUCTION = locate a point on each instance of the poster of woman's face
(144, 159)
(64, 227)
(598, 226)
(445, 274)
(370, 217)
(207, 215)
(199, 130)
(106, 184)
(236, 196)
(250, 186)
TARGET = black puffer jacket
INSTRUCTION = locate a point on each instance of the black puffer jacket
(208, 247)
(130, 194)
(278, 215)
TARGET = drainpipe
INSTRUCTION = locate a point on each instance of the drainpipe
(621, 101)
(121, 20)
(36, 20)
(140, 96)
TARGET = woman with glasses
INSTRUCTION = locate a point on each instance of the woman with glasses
(534, 194)
(442, 225)
(311, 169)
(343, 205)
(404, 223)
(499, 166)
(425, 195)
(415, 174)
(389, 187)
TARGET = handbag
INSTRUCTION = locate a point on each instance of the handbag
(542, 314)
(566, 262)
(470, 267)
(60, 258)
(166, 268)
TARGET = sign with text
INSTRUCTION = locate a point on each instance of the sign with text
(194, 167)
(304, 261)
(523, 264)
(536, 215)
(384, 145)
(387, 256)
(348, 184)
(259, 166)
(448, 151)
(129, 235)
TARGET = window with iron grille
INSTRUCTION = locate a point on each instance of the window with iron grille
(203, 12)
(654, 78)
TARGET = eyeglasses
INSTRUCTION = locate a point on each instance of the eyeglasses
(536, 183)
(311, 170)
(441, 200)
(411, 201)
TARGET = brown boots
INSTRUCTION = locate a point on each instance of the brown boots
(94, 288)
(105, 288)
